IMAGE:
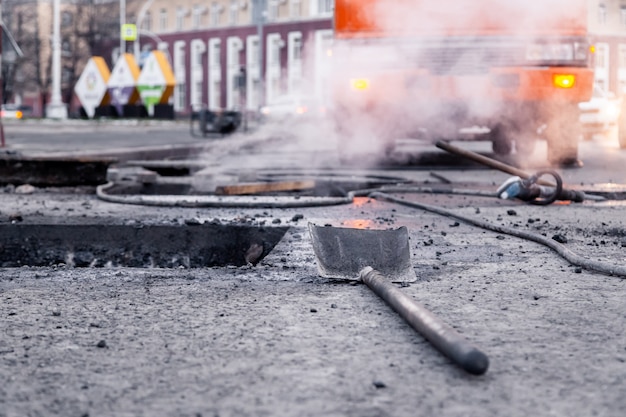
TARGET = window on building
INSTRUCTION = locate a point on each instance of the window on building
(214, 74)
(296, 48)
(253, 93)
(602, 14)
(198, 93)
(295, 9)
(180, 91)
(198, 53)
(272, 10)
(66, 48)
(253, 57)
(622, 16)
(233, 12)
(163, 19)
(182, 97)
(147, 22)
(233, 92)
(216, 96)
(181, 12)
(294, 62)
(325, 6)
(179, 56)
(216, 10)
(198, 11)
(274, 53)
(215, 55)
(66, 19)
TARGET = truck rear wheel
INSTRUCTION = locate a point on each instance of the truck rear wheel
(501, 143)
(562, 134)
(525, 146)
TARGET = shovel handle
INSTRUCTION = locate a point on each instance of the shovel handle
(447, 340)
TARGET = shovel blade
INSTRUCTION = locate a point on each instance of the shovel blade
(343, 252)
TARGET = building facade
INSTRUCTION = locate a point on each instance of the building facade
(239, 54)
(226, 54)
(607, 24)
(229, 54)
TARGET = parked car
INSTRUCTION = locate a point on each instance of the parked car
(601, 114)
(15, 111)
(292, 108)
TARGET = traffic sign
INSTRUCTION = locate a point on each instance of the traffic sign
(129, 32)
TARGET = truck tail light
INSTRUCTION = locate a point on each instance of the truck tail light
(360, 84)
(564, 80)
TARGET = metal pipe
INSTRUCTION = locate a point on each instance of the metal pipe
(489, 162)
(122, 23)
(56, 109)
(447, 340)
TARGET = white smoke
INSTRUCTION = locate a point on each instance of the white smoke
(438, 36)
(391, 55)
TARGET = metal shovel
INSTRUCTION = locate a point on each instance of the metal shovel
(378, 258)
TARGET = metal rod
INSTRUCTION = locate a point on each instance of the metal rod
(447, 340)
(489, 162)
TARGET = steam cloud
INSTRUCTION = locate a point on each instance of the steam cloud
(353, 127)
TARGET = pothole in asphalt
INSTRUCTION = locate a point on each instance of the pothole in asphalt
(144, 246)
(148, 180)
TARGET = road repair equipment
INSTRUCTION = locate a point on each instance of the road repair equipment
(564, 252)
(378, 258)
(528, 190)
(214, 122)
(563, 194)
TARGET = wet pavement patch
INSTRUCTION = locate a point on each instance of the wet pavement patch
(143, 246)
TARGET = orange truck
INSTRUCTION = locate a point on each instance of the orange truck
(506, 71)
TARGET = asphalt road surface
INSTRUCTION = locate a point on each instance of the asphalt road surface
(275, 339)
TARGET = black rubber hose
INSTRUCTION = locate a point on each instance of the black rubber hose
(564, 252)
(558, 191)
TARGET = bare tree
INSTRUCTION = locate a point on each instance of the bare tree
(87, 27)
(28, 73)
(92, 25)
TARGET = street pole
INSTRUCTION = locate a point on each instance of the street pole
(260, 21)
(140, 16)
(122, 23)
(2, 142)
(56, 109)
